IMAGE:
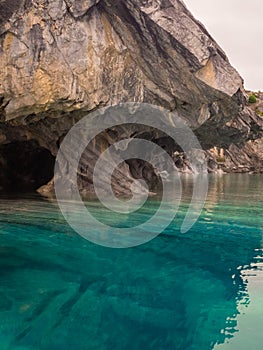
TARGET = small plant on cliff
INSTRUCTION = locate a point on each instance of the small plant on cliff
(220, 159)
(259, 113)
(252, 99)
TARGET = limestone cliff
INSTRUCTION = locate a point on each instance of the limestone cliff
(60, 59)
(247, 156)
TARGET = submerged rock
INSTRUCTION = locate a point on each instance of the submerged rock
(61, 59)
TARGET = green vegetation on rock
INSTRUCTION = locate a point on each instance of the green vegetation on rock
(220, 159)
(252, 99)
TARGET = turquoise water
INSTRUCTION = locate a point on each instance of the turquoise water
(195, 291)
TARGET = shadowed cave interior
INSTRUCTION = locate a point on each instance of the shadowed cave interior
(24, 166)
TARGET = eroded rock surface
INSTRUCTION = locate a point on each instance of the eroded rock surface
(61, 59)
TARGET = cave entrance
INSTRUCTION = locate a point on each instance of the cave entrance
(25, 166)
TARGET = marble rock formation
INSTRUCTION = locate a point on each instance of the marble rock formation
(61, 59)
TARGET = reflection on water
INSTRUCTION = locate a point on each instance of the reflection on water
(250, 317)
(196, 291)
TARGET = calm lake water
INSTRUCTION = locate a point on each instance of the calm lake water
(195, 291)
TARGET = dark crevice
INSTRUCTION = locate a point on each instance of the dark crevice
(7, 9)
(24, 166)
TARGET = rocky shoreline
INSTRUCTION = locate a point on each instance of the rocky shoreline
(63, 59)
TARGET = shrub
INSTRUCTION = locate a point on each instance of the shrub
(252, 99)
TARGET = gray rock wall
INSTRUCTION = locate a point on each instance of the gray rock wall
(61, 59)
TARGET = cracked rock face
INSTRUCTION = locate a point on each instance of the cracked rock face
(61, 59)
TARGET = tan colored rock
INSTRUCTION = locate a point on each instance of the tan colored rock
(72, 55)
(60, 59)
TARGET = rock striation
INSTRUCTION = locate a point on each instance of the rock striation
(61, 59)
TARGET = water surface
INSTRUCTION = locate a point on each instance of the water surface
(196, 291)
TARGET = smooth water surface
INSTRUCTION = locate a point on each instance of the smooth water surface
(195, 291)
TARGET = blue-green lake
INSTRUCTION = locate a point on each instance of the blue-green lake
(195, 291)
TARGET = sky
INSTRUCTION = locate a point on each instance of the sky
(237, 26)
